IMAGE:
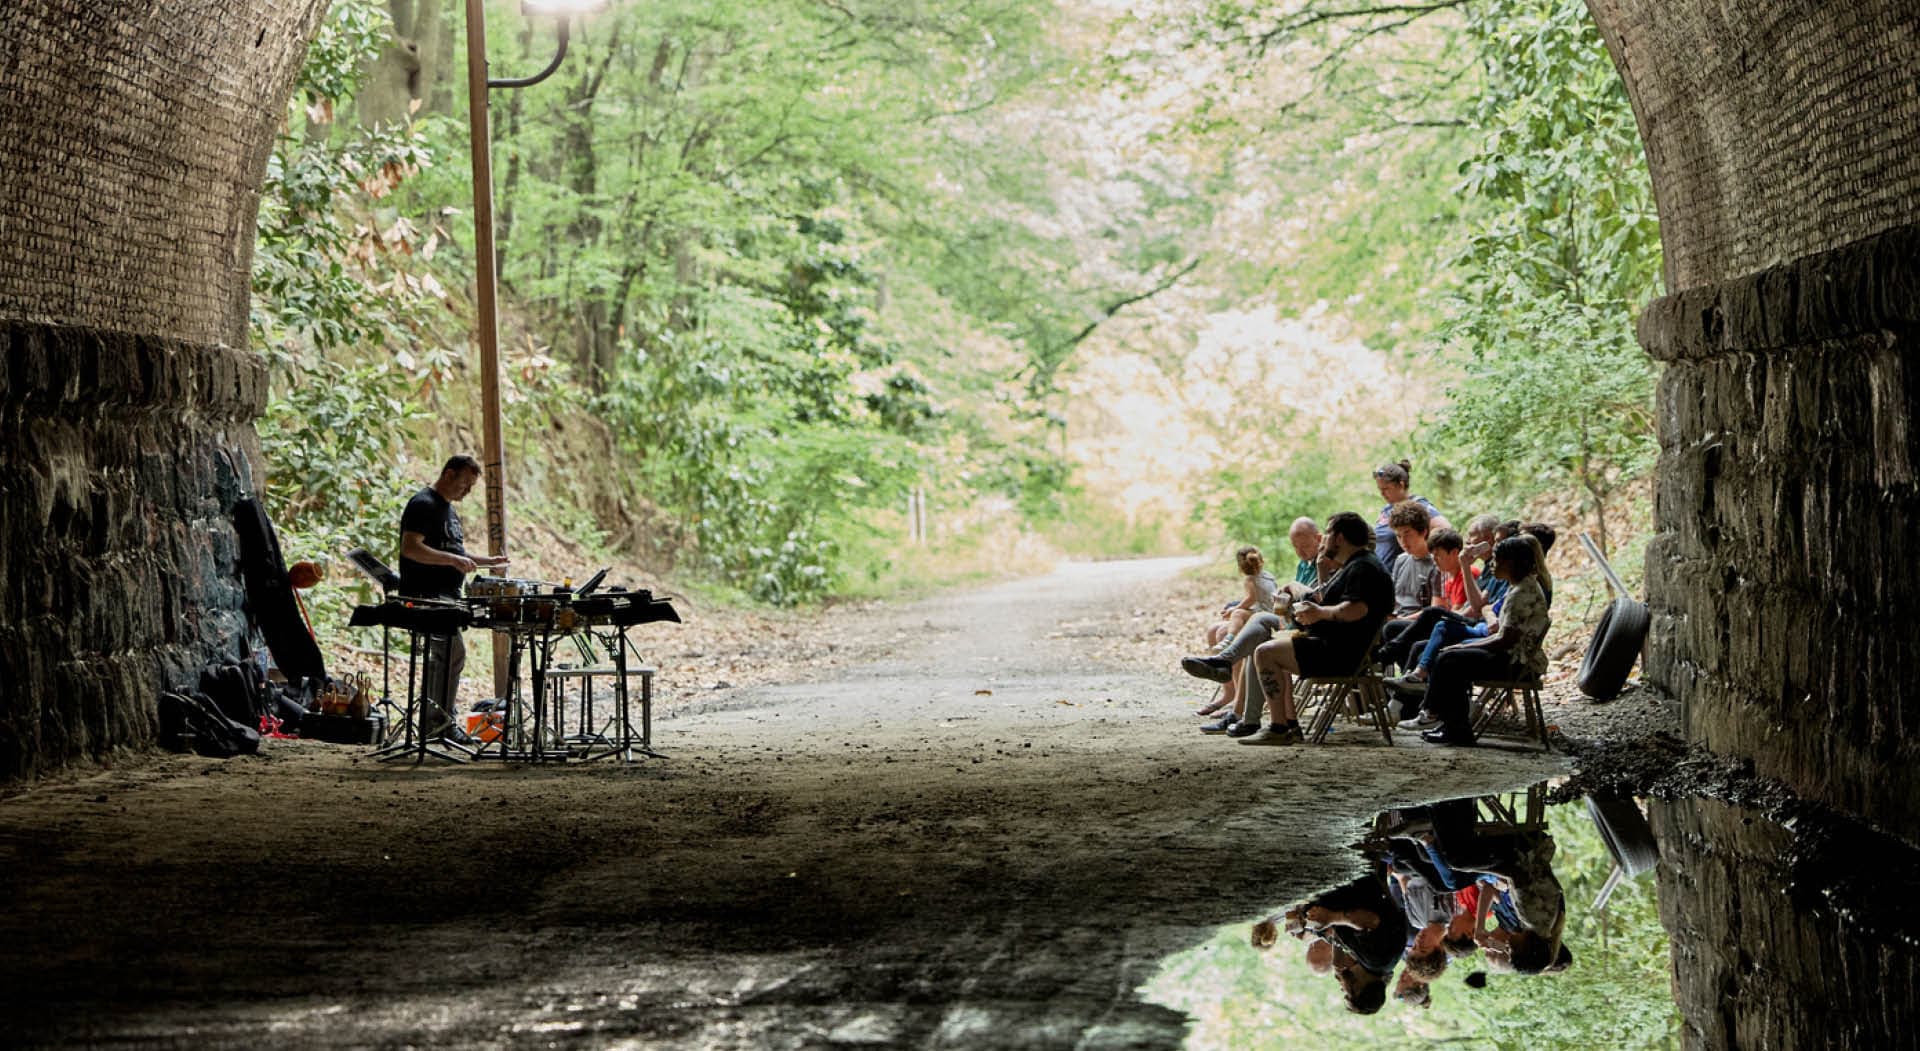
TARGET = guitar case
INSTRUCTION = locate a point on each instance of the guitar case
(270, 601)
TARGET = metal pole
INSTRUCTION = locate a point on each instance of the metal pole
(492, 448)
(1606, 569)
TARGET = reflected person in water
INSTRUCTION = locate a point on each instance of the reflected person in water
(1443, 884)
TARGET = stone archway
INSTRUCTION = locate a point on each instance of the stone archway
(1784, 144)
(134, 138)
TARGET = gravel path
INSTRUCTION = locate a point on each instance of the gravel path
(982, 824)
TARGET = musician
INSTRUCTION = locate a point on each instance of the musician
(433, 564)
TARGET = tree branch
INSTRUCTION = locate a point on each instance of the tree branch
(1307, 19)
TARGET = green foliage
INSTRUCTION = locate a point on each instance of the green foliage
(1552, 386)
(1259, 505)
(334, 292)
(712, 213)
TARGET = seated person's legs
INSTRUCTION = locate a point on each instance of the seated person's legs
(1452, 677)
(1218, 667)
(1273, 668)
(1399, 639)
(1236, 620)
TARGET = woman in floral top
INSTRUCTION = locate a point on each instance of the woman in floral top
(1513, 651)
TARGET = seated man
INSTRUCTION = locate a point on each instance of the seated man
(1339, 627)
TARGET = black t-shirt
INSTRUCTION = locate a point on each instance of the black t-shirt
(433, 517)
(1362, 579)
(1380, 948)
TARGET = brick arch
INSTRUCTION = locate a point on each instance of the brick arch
(134, 138)
(1775, 129)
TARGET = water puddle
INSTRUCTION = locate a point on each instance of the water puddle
(1569, 951)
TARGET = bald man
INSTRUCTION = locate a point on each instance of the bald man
(1304, 535)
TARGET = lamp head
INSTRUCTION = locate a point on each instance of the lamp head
(563, 8)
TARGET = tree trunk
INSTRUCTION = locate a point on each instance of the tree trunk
(420, 63)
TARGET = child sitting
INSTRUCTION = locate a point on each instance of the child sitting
(1261, 587)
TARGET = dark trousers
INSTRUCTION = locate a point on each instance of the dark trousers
(1399, 639)
(1450, 684)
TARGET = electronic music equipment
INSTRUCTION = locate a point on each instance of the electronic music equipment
(537, 617)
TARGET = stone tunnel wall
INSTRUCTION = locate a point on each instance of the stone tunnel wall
(1775, 129)
(133, 140)
(1786, 577)
(1783, 139)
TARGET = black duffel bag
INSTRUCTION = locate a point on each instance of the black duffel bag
(193, 720)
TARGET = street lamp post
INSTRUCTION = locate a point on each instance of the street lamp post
(492, 447)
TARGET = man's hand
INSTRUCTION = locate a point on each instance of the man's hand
(1309, 613)
(491, 561)
(462, 563)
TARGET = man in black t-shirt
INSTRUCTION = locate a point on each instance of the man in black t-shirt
(1340, 627)
(433, 564)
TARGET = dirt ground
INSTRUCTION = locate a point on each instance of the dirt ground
(975, 821)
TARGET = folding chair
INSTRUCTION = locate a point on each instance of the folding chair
(1516, 699)
(1361, 695)
(1525, 810)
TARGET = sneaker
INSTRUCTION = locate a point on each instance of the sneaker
(1407, 683)
(1439, 735)
(1214, 669)
(1280, 735)
(1243, 729)
(1394, 711)
(1219, 726)
(1419, 722)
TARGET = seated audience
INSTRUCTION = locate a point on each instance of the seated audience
(1485, 593)
(1512, 650)
(1339, 620)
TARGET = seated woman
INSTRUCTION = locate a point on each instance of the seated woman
(1485, 599)
(1512, 650)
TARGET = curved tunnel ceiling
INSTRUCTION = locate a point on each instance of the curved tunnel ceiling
(1775, 129)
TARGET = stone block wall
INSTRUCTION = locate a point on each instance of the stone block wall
(1785, 578)
(1771, 949)
(116, 551)
(133, 141)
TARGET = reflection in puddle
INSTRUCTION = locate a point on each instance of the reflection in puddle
(1474, 923)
